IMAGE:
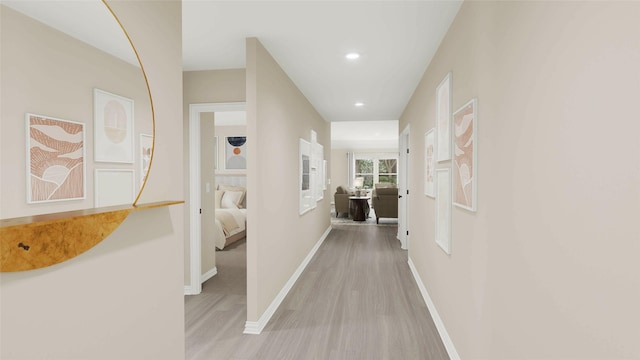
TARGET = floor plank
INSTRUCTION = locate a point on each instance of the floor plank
(355, 300)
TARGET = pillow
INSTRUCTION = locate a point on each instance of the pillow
(240, 189)
(219, 194)
(230, 199)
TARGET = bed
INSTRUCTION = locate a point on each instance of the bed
(231, 215)
(231, 226)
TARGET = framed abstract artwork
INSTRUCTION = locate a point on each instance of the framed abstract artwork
(55, 159)
(235, 153)
(443, 119)
(430, 163)
(113, 187)
(443, 209)
(113, 127)
(146, 147)
(465, 144)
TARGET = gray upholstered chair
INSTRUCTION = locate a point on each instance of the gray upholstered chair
(341, 199)
(385, 202)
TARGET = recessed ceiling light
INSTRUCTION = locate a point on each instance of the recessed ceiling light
(359, 104)
(352, 56)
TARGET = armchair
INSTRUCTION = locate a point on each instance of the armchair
(341, 199)
(385, 202)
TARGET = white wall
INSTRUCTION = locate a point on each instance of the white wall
(123, 299)
(547, 268)
(278, 238)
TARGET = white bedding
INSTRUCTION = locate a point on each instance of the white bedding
(228, 223)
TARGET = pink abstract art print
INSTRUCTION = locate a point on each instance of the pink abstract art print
(443, 119)
(465, 151)
(430, 163)
(56, 167)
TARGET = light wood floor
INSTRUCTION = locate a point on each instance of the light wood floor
(356, 300)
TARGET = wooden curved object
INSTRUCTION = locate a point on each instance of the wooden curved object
(34, 242)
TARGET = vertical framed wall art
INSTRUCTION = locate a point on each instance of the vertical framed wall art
(235, 148)
(325, 175)
(55, 160)
(430, 163)
(146, 147)
(113, 127)
(114, 187)
(307, 200)
(465, 169)
(443, 209)
(318, 175)
(443, 119)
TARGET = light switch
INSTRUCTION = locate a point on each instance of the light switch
(208, 187)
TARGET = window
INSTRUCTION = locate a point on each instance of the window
(375, 168)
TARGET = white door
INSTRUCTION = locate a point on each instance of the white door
(403, 190)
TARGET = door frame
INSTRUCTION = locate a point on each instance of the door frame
(195, 202)
(403, 188)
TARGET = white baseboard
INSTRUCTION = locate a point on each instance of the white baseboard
(256, 327)
(444, 335)
(208, 275)
(188, 289)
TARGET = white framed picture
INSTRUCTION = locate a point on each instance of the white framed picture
(443, 119)
(318, 170)
(307, 199)
(114, 187)
(55, 159)
(443, 209)
(113, 127)
(430, 163)
(146, 148)
(465, 165)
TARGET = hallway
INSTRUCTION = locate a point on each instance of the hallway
(356, 299)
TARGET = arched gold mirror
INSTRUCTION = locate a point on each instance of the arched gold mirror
(77, 120)
(76, 130)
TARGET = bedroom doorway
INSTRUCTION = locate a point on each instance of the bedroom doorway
(198, 270)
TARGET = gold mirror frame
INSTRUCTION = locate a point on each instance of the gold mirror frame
(146, 82)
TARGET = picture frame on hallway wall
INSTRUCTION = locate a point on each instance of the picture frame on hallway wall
(113, 127)
(235, 150)
(146, 147)
(443, 209)
(465, 165)
(443, 119)
(305, 188)
(430, 163)
(56, 163)
(114, 187)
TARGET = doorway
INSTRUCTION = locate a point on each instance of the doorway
(403, 189)
(196, 277)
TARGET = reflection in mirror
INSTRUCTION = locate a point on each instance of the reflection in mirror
(76, 119)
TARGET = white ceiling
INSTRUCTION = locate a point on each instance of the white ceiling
(309, 39)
